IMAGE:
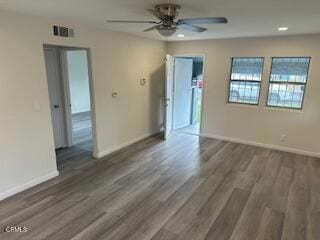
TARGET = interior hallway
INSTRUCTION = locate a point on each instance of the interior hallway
(82, 130)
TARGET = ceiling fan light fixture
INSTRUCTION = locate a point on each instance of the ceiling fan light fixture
(283, 28)
(167, 31)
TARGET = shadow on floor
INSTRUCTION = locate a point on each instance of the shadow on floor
(81, 152)
(82, 130)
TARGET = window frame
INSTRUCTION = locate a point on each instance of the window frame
(293, 83)
(254, 81)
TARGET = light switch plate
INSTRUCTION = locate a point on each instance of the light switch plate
(143, 81)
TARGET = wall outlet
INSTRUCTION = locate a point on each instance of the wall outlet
(283, 138)
(114, 94)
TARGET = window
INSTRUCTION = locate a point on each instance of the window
(245, 80)
(287, 82)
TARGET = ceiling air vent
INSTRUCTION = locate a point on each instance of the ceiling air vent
(62, 31)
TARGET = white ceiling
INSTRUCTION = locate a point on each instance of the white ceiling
(246, 17)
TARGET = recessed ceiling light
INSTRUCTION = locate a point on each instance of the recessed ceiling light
(180, 35)
(283, 28)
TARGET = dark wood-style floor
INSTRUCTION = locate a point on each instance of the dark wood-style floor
(187, 188)
(82, 130)
(81, 152)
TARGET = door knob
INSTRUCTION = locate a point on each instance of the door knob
(56, 106)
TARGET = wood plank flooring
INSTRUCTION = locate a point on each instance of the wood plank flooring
(72, 158)
(82, 130)
(185, 188)
(191, 129)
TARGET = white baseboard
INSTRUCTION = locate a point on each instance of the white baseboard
(27, 185)
(126, 144)
(264, 145)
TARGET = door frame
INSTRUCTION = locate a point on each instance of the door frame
(66, 94)
(203, 56)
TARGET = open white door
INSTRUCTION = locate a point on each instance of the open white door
(182, 92)
(55, 94)
(66, 97)
(169, 95)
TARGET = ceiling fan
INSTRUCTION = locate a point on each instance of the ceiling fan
(168, 25)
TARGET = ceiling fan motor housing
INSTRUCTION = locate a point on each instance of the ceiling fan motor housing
(169, 10)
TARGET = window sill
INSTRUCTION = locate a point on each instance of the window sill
(282, 109)
(246, 105)
(266, 108)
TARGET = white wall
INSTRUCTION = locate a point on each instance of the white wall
(78, 76)
(260, 125)
(118, 62)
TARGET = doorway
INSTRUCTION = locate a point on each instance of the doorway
(68, 77)
(78, 81)
(184, 84)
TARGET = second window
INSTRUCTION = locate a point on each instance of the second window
(288, 81)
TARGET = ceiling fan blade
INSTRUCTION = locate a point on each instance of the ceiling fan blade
(156, 13)
(119, 21)
(192, 28)
(203, 20)
(151, 28)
